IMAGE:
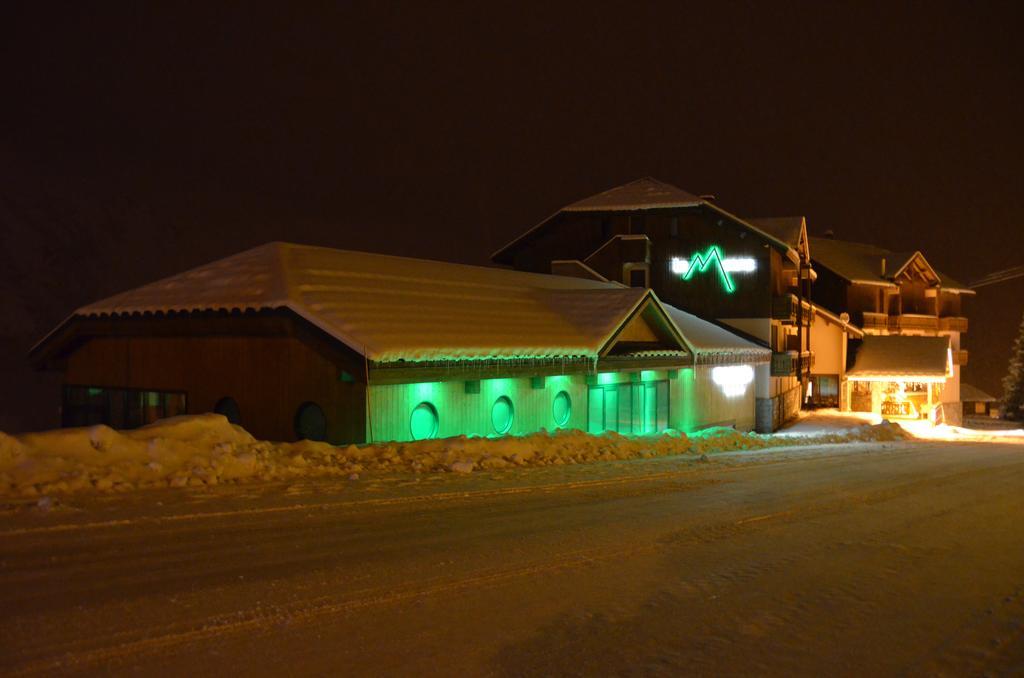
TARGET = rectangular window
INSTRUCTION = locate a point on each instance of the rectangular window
(825, 390)
(595, 410)
(611, 409)
(638, 277)
(119, 408)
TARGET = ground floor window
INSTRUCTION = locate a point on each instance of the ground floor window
(119, 408)
(631, 408)
(824, 390)
(423, 423)
(860, 397)
(310, 422)
(228, 407)
(561, 409)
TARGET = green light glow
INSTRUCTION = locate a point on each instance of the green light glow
(426, 390)
(502, 413)
(607, 378)
(561, 408)
(424, 422)
(686, 406)
(702, 263)
(648, 375)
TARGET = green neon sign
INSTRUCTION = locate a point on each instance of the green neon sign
(713, 258)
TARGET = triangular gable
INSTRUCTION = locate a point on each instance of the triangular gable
(647, 327)
(916, 267)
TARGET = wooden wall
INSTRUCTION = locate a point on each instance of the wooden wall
(269, 376)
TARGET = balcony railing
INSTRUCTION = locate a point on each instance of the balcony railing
(875, 321)
(784, 364)
(953, 324)
(908, 321)
(784, 308)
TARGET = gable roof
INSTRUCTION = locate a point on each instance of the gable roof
(902, 356)
(400, 309)
(973, 394)
(709, 339)
(786, 229)
(646, 193)
(862, 263)
(642, 194)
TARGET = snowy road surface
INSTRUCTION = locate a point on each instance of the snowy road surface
(850, 560)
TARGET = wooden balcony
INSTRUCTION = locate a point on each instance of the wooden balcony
(953, 324)
(785, 364)
(960, 357)
(913, 322)
(784, 308)
(897, 324)
(875, 321)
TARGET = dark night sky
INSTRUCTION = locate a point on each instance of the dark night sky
(140, 139)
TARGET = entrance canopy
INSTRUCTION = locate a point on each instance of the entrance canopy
(902, 358)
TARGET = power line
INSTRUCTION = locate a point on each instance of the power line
(998, 277)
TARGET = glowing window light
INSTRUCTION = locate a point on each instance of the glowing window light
(725, 266)
(561, 408)
(502, 414)
(733, 379)
(424, 422)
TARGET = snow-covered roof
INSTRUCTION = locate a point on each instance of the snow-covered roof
(646, 193)
(902, 356)
(786, 229)
(643, 194)
(395, 308)
(973, 394)
(862, 263)
(709, 339)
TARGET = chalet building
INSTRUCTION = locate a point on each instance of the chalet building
(977, 403)
(753, 275)
(912, 316)
(293, 341)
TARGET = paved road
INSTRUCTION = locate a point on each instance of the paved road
(855, 560)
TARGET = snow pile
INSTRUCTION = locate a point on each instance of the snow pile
(922, 429)
(206, 449)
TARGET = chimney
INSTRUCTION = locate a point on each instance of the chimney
(883, 267)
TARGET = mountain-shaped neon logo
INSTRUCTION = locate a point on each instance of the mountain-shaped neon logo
(699, 263)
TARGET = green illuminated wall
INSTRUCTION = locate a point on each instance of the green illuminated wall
(698, 402)
(462, 413)
(695, 402)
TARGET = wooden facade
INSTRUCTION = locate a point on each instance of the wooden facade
(270, 363)
(620, 241)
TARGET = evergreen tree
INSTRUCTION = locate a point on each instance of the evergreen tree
(1013, 382)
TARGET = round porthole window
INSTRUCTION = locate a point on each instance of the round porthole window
(561, 408)
(229, 408)
(423, 424)
(310, 422)
(502, 414)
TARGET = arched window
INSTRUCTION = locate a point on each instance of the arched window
(561, 408)
(502, 414)
(423, 423)
(229, 408)
(310, 422)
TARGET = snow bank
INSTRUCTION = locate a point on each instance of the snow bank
(205, 450)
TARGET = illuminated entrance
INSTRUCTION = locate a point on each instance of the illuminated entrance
(630, 409)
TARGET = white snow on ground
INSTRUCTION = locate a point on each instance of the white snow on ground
(830, 420)
(206, 450)
(923, 429)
